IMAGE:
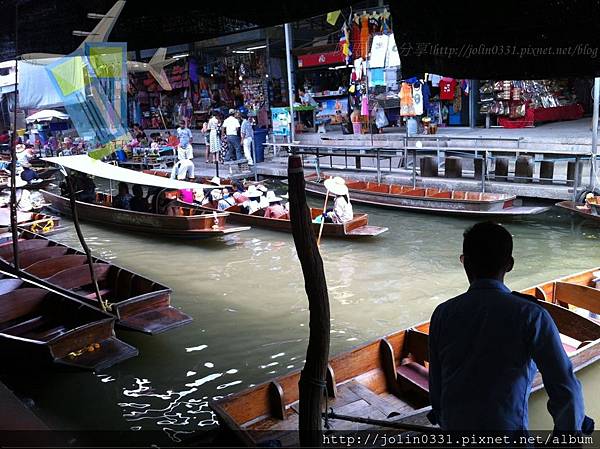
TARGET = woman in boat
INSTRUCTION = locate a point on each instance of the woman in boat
(264, 203)
(226, 200)
(254, 195)
(138, 202)
(24, 203)
(275, 209)
(123, 199)
(342, 207)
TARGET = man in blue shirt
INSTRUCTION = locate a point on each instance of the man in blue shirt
(485, 344)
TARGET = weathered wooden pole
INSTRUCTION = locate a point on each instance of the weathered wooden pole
(312, 379)
(86, 249)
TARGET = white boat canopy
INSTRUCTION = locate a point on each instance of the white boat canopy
(47, 115)
(85, 164)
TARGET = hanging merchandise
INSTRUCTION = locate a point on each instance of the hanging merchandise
(418, 98)
(444, 113)
(447, 86)
(377, 78)
(364, 35)
(345, 43)
(378, 51)
(392, 57)
(407, 107)
(457, 105)
(426, 95)
(364, 106)
(358, 68)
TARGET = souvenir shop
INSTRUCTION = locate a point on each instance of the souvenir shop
(380, 97)
(525, 103)
(155, 108)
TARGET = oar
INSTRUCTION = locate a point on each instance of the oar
(323, 218)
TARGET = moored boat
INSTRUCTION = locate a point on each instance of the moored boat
(584, 210)
(188, 222)
(387, 379)
(138, 303)
(358, 227)
(40, 326)
(432, 200)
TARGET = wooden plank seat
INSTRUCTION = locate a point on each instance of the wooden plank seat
(19, 303)
(27, 258)
(6, 249)
(416, 374)
(79, 280)
(412, 372)
(49, 267)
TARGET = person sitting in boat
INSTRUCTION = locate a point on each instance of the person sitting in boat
(275, 209)
(85, 188)
(138, 203)
(485, 345)
(123, 199)
(263, 198)
(28, 174)
(342, 207)
(254, 196)
(226, 200)
(186, 195)
(24, 200)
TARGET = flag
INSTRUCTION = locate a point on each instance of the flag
(332, 17)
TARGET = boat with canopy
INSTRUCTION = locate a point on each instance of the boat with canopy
(188, 222)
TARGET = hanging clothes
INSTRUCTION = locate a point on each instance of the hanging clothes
(407, 107)
(392, 56)
(457, 104)
(447, 86)
(426, 95)
(418, 98)
(379, 50)
(364, 36)
(377, 78)
(364, 105)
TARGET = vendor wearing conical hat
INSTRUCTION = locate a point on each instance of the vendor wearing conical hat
(342, 208)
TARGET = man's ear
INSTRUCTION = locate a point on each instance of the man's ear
(462, 259)
(510, 265)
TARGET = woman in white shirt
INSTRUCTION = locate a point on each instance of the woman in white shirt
(214, 139)
(342, 207)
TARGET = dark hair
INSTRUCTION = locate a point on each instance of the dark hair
(137, 190)
(123, 187)
(487, 249)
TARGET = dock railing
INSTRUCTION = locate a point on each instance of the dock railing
(485, 155)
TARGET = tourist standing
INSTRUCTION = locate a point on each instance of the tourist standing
(213, 137)
(247, 134)
(231, 129)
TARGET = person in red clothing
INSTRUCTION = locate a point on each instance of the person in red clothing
(4, 137)
(172, 140)
(275, 209)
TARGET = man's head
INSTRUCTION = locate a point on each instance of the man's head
(231, 112)
(301, 92)
(487, 251)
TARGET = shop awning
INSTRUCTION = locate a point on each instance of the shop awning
(85, 164)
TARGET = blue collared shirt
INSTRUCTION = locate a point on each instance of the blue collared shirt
(484, 346)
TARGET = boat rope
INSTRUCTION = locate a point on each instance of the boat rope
(323, 386)
(35, 226)
(89, 348)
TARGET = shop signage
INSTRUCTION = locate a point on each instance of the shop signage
(281, 121)
(317, 59)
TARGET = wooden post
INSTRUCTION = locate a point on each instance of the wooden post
(86, 249)
(312, 383)
(13, 153)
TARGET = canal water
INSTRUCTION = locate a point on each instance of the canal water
(246, 296)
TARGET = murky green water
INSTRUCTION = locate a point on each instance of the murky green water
(246, 296)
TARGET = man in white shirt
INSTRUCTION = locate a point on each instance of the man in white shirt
(231, 127)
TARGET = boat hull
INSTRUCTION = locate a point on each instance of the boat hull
(138, 303)
(579, 209)
(357, 228)
(422, 203)
(193, 226)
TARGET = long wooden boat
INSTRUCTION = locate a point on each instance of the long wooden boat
(432, 200)
(138, 303)
(358, 227)
(580, 209)
(387, 379)
(190, 222)
(36, 222)
(39, 326)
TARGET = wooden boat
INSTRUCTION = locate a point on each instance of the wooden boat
(389, 376)
(433, 200)
(581, 209)
(38, 325)
(37, 222)
(138, 303)
(190, 222)
(358, 227)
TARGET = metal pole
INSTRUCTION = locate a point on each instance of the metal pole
(13, 150)
(414, 169)
(483, 170)
(595, 132)
(288, 57)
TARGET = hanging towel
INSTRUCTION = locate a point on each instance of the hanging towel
(379, 50)
(392, 57)
(377, 78)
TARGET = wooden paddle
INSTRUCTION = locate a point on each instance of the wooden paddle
(323, 218)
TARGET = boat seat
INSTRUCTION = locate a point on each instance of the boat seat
(6, 250)
(49, 267)
(77, 277)
(103, 293)
(27, 258)
(45, 334)
(415, 374)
